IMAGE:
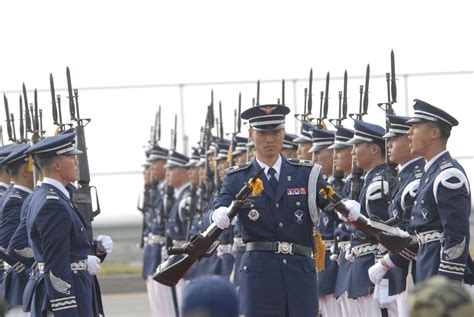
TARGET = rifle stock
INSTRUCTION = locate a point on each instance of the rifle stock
(201, 245)
(392, 242)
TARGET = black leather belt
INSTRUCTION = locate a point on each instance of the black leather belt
(279, 247)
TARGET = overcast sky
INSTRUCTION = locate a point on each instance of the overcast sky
(133, 43)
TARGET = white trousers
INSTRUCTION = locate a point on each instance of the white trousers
(402, 304)
(17, 311)
(367, 306)
(160, 298)
(328, 306)
(348, 305)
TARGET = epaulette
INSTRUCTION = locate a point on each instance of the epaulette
(52, 195)
(299, 162)
(236, 168)
(16, 194)
(445, 165)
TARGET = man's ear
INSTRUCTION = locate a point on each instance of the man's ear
(435, 133)
(250, 133)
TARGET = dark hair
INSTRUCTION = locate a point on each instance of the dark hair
(14, 169)
(44, 162)
(444, 133)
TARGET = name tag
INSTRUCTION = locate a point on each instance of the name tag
(296, 191)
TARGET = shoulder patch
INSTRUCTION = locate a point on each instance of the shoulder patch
(236, 168)
(298, 162)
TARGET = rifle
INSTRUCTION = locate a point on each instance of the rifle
(7, 115)
(387, 107)
(202, 244)
(82, 196)
(356, 172)
(375, 231)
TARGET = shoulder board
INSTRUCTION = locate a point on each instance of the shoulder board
(418, 175)
(16, 195)
(236, 168)
(446, 165)
(298, 162)
(378, 177)
(52, 197)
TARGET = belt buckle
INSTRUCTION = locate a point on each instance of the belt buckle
(284, 248)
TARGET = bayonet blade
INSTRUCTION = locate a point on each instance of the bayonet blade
(72, 108)
(22, 127)
(366, 92)
(221, 126)
(36, 119)
(53, 99)
(283, 92)
(344, 97)
(29, 127)
(394, 82)
(258, 93)
(310, 92)
(239, 120)
(7, 115)
(326, 98)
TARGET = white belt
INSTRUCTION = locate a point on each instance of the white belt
(154, 239)
(224, 249)
(429, 236)
(364, 249)
(80, 265)
(239, 242)
(328, 244)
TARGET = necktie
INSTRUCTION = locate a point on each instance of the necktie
(273, 181)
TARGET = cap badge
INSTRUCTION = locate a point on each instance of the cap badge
(268, 109)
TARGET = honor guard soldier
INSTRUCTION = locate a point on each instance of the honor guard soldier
(277, 272)
(304, 141)
(323, 156)
(440, 214)
(343, 163)
(160, 297)
(177, 225)
(20, 168)
(289, 146)
(58, 237)
(403, 192)
(240, 152)
(368, 151)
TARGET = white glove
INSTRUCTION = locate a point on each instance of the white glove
(377, 272)
(105, 243)
(382, 295)
(93, 266)
(333, 255)
(164, 254)
(348, 254)
(401, 233)
(354, 209)
(219, 216)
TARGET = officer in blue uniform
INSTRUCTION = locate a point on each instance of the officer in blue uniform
(304, 141)
(343, 163)
(440, 215)
(277, 273)
(58, 237)
(160, 297)
(368, 151)
(290, 147)
(403, 192)
(177, 225)
(328, 220)
(22, 175)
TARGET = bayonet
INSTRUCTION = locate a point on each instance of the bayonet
(344, 97)
(340, 106)
(53, 99)
(283, 92)
(366, 93)
(326, 98)
(7, 115)
(305, 103)
(12, 119)
(394, 83)
(211, 112)
(36, 111)
(76, 97)
(41, 122)
(175, 138)
(72, 108)
(159, 123)
(258, 93)
(60, 113)
(22, 127)
(310, 92)
(239, 120)
(29, 127)
(221, 127)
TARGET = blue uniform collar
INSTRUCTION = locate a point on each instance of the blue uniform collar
(413, 161)
(178, 191)
(434, 159)
(374, 171)
(23, 188)
(58, 185)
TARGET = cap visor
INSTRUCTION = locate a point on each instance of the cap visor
(355, 141)
(73, 152)
(339, 146)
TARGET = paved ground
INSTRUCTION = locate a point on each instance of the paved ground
(126, 305)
